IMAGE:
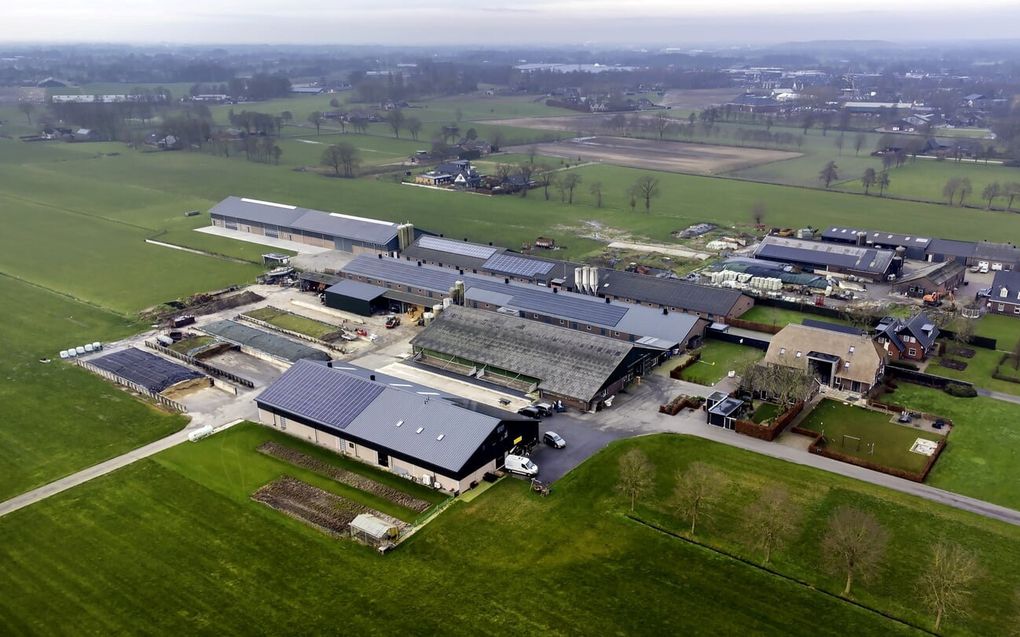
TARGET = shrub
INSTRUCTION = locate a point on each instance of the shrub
(960, 391)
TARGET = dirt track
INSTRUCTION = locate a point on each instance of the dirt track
(679, 157)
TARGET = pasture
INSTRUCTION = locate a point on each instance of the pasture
(924, 179)
(598, 570)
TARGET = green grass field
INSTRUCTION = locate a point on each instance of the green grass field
(174, 544)
(982, 457)
(891, 441)
(771, 315)
(979, 370)
(1004, 329)
(57, 418)
(293, 322)
(924, 179)
(717, 359)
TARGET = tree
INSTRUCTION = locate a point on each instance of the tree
(868, 179)
(854, 544)
(1011, 190)
(697, 489)
(277, 152)
(395, 119)
(525, 170)
(965, 189)
(758, 213)
(991, 192)
(341, 157)
(883, 182)
(503, 172)
(888, 159)
(859, 143)
(315, 118)
(335, 103)
(839, 143)
(471, 134)
(570, 182)
(769, 520)
(496, 140)
(27, 108)
(947, 583)
(646, 188)
(285, 116)
(414, 127)
(596, 191)
(950, 188)
(829, 173)
(632, 198)
(662, 123)
(532, 153)
(636, 475)
(331, 158)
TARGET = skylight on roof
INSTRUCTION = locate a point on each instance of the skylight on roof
(440, 436)
(419, 430)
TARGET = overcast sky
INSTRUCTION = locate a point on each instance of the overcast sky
(525, 22)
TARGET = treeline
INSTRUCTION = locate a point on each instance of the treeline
(429, 79)
(542, 81)
(261, 86)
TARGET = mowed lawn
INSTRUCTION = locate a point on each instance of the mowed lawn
(719, 358)
(979, 370)
(1004, 329)
(781, 317)
(924, 179)
(880, 440)
(173, 544)
(56, 418)
(982, 456)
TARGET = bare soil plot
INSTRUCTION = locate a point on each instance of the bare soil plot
(323, 510)
(668, 156)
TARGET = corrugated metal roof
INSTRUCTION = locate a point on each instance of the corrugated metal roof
(308, 220)
(876, 236)
(427, 428)
(143, 368)
(567, 362)
(357, 290)
(856, 258)
(272, 344)
(669, 292)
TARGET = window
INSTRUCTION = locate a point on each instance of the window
(1001, 307)
(911, 352)
(350, 445)
(283, 423)
(1016, 309)
(798, 354)
(618, 334)
(562, 322)
(782, 350)
(534, 316)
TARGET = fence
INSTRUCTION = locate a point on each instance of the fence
(772, 430)
(800, 306)
(767, 328)
(145, 391)
(983, 342)
(749, 341)
(212, 370)
(922, 378)
(298, 335)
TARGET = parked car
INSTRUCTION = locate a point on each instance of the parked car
(545, 409)
(520, 465)
(939, 424)
(904, 417)
(530, 412)
(554, 440)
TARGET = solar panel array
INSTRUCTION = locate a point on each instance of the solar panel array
(518, 266)
(333, 399)
(457, 247)
(145, 369)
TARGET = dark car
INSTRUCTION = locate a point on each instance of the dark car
(545, 409)
(939, 424)
(530, 412)
(554, 440)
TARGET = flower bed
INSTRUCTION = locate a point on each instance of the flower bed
(343, 476)
(952, 363)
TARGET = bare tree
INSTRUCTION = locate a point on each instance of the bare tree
(769, 520)
(991, 192)
(525, 171)
(883, 182)
(965, 189)
(414, 127)
(570, 182)
(315, 118)
(859, 143)
(395, 119)
(662, 124)
(331, 158)
(949, 189)
(963, 331)
(1011, 190)
(840, 141)
(758, 213)
(946, 584)
(503, 172)
(829, 173)
(646, 188)
(596, 191)
(854, 544)
(532, 153)
(868, 179)
(697, 489)
(27, 108)
(636, 475)
(341, 157)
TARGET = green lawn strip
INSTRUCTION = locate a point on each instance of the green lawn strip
(982, 454)
(780, 316)
(717, 359)
(924, 179)
(979, 370)
(185, 345)
(85, 559)
(294, 322)
(765, 412)
(1004, 329)
(56, 418)
(892, 441)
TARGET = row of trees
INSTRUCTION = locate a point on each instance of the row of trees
(343, 158)
(854, 542)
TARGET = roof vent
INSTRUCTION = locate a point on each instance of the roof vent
(400, 422)
(440, 436)
(419, 430)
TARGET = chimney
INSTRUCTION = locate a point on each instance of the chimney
(370, 376)
(329, 364)
(506, 281)
(665, 311)
(608, 301)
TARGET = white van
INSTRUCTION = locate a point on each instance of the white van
(520, 465)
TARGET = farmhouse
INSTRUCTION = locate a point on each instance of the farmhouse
(408, 429)
(835, 356)
(868, 263)
(1004, 297)
(913, 339)
(313, 227)
(434, 178)
(645, 326)
(561, 364)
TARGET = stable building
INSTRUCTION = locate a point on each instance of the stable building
(330, 230)
(834, 355)
(872, 264)
(478, 258)
(582, 370)
(931, 278)
(408, 429)
(708, 302)
(914, 247)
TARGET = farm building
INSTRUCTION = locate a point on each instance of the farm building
(722, 410)
(133, 367)
(575, 367)
(868, 263)
(835, 356)
(262, 344)
(931, 278)
(915, 247)
(1004, 297)
(634, 323)
(313, 227)
(489, 259)
(408, 429)
(995, 256)
(712, 303)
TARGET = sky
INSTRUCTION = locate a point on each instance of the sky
(632, 23)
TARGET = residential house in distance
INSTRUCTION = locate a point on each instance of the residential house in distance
(434, 178)
(464, 174)
(836, 356)
(911, 339)
(1004, 297)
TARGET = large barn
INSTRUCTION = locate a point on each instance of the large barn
(408, 429)
(580, 369)
(312, 227)
(866, 262)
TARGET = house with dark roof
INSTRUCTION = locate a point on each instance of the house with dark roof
(911, 339)
(579, 369)
(931, 278)
(411, 430)
(994, 256)
(1004, 296)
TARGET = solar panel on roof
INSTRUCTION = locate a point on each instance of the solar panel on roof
(513, 264)
(332, 399)
(457, 247)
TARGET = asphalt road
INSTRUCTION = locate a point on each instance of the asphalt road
(583, 441)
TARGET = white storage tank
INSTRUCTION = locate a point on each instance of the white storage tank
(80, 350)
(201, 432)
(71, 353)
(88, 347)
(63, 353)
(97, 346)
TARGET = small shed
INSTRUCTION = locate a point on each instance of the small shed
(723, 410)
(372, 530)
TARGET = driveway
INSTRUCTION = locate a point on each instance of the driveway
(583, 441)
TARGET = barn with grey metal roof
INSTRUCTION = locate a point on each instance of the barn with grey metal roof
(682, 296)
(564, 364)
(866, 262)
(425, 437)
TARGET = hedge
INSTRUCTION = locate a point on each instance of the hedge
(772, 430)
